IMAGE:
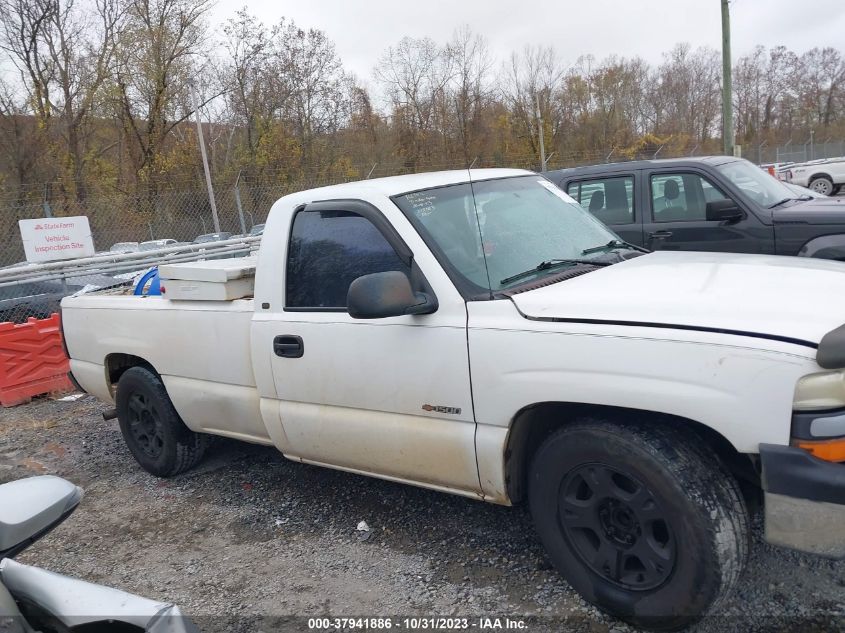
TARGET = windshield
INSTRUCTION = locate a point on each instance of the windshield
(509, 226)
(757, 184)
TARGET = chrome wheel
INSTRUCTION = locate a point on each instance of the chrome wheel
(822, 186)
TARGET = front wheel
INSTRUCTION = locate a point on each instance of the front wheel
(152, 429)
(640, 520)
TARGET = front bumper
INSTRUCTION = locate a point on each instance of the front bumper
(805, 501)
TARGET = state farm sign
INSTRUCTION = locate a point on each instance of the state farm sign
(47, 239)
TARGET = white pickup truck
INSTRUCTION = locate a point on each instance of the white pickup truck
(479, 333)
(825, 176)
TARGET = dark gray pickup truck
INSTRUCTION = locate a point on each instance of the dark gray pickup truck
(715, 203)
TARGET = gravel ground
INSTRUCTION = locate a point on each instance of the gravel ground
(248, 535)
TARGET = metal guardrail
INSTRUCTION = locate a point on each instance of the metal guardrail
(109, 263)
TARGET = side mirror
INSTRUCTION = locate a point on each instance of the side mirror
(386, 294)
(31, 507)
(723, 211)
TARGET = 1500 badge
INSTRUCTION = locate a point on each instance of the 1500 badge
(439, 409)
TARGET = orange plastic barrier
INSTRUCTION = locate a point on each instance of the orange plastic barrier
(32, 360)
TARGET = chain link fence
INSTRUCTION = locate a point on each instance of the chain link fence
(795, 152)
(121, 224)
(120, 221)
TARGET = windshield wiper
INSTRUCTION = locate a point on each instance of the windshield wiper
(614, 244)
(784, 201)
(550, 263)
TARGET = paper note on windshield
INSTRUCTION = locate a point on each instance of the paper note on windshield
(560, 193)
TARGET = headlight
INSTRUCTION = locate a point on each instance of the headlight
(821, 391)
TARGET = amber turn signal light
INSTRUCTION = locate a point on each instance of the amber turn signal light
(828, 450)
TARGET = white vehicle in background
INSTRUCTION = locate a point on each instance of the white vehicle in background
(824, 176)
(778, 170)
(151, 245)
(125, 247)
(478, 332)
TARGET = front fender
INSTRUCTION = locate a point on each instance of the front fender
(825, 247)
(742, 393)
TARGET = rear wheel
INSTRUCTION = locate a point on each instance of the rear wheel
(822, 185)
(152, 429)
(640, 520)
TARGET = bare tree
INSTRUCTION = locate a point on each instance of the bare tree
(19, 146)
(160, 55)
(532, 77)
(319, 105)
(471, 87)
(247, 74)
(65, 55)
(414, 75)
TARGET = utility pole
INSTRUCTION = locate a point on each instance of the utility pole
(727, 83)
(205, 160)
(540, 133)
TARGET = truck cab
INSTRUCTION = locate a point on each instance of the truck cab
(715, 203)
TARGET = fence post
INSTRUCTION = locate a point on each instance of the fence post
(238, 204)
(48, 212)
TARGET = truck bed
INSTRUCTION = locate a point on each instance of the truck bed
(201, 349)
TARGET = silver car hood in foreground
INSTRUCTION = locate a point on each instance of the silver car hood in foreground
(76, 602)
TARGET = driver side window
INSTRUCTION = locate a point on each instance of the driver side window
(682, 197)
(328, 251)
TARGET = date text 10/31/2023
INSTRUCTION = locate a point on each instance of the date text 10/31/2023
(418, 623)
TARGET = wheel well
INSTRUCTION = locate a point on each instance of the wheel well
(117, 364)
(535, 423)
(820, 175)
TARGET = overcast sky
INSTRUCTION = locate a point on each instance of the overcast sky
(362, 29)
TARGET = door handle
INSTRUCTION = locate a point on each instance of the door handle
(288, 346)
(660, 235)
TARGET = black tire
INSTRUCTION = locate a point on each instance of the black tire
(642, 521)
(155, 434)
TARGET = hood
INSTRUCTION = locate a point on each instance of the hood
(774, 297)
(815, 211)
